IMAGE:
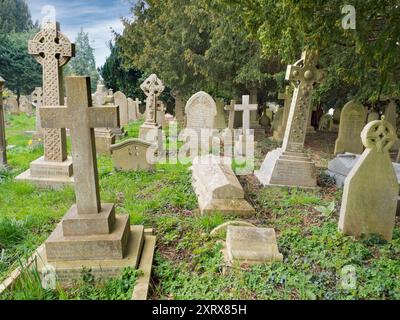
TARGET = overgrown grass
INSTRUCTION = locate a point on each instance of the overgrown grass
(189, 263)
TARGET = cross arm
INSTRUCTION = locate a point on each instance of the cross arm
(104, 117)
(293, 73)
(54, 117)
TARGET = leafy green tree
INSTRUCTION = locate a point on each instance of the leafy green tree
(14, 16)
(119, 78)
(19, 68)
(84, 63)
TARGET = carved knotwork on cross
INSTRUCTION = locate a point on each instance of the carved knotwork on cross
(379, 135)
(52, 50)
(304, 74)
(152, 88)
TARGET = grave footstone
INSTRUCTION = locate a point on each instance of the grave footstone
(250, 245)
(90, 235)
(133, 155)
(289, 165)
(52, 49)
(217, 188)
(370, 208)
(352, 122)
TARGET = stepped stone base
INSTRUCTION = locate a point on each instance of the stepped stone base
(287, 169)
(89, 247)
(69, 271)
(49, 174)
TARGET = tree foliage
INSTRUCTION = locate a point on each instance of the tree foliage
(14, 16)
(84, 63)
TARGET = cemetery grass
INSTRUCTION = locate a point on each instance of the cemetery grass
(188, 262)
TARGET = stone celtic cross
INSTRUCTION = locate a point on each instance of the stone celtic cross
(152, 88)
(246, 107)
(81, 118)
(379, 135)
(304, 74)
(52, 50)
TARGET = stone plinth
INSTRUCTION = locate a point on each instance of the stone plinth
(105, 138)
(252, 245)
(217, 188)
(49, 174)
(287, 169)
(69, 271)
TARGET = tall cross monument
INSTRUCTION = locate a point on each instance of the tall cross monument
(289, 165)
(52, 50)
(90, 235)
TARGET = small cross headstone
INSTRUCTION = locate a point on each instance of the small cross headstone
(246, 107)
(370, 208)
(352, 122)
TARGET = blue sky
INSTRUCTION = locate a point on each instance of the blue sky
(95, 16)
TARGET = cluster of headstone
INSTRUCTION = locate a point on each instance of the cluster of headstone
(91, 235)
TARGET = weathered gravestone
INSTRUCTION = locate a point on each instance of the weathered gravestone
(219, 120)
(161, 109)
(371, 189)
(200, 112)
(352, 122)
(372, 116)
(277, 121)
(105, 138)
(289, 165)
(37, 100)
(325, 123)
(100, 96)
(3, 145)
(121, 101)
(150, 130)
(133, 155)
(279, 130)
(217, 188)
(133, 110)
(52, 50)
(179, 107)
(251, 245)
(336, 119)
(25, 106)
(12, 105)
(90, 235)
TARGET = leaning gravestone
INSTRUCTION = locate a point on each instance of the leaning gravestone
(37, 100)
(251, 245)
(290, 165)
(352, 121)
(133, 155)
(90, 235)
(121, 101)
(371, 189)
(217, 188)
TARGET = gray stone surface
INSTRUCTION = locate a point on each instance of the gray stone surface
(252, 245)
(3, 145)
(217, 188)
